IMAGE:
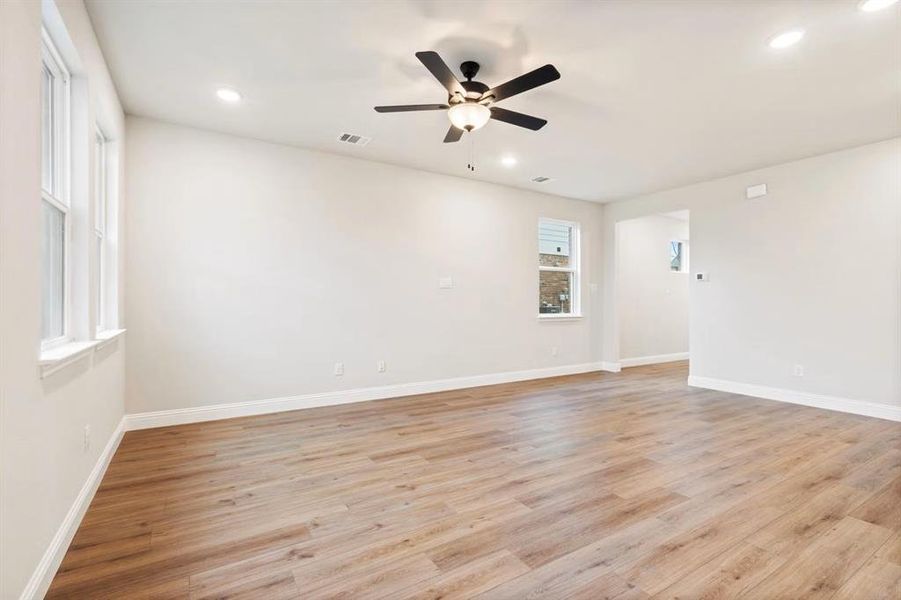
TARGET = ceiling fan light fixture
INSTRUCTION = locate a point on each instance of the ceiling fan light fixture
(469, 115)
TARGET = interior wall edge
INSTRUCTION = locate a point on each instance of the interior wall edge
(846, 405)
(655, 359)
(43, 574)
(198, 414)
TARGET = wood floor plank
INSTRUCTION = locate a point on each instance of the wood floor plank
(726, 576)
(470, 579)
(820, 569)
(594, 486)
(876, 580)
(796, 529)
(668, 561)
(884, 507)
(378, 581)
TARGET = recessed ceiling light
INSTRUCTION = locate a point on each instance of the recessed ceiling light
(789, 38)
(228, 95)
(509, 161)
(874, 5)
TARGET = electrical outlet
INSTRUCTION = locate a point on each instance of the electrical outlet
(554, 351)
(339, 369)
(381, 366)
(86, 443)
(798, 371)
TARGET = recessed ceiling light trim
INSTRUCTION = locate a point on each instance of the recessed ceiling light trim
(509, 161)
(786, 39)
(228, 95)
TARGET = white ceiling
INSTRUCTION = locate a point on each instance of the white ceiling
(681, 215)
(654, 93)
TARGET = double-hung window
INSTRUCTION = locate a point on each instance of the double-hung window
(558, 268)
(55, 162)
(678, 256)
(100, 219)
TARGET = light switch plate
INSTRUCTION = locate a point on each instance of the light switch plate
(445, 283)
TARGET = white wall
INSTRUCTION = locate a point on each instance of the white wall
(809, 274)
(254, 267)
(652, 299)
(42, 464)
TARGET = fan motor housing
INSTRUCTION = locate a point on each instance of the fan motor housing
(476, 87)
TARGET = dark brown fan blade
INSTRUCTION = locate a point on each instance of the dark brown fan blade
(410, 107)
(515, 118)
(453, 135)
(524, 83)
(441, 71)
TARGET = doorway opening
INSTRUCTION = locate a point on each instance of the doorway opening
(653, 255)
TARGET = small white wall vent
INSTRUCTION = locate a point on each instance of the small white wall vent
(542, 179)
(756, 191)
(352, 138)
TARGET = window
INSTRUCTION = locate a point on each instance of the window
(558, 268)
(54, 195)
(678, 256)
(100, 216)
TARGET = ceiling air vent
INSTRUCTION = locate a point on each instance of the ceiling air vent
(542, 179)
(352, 138)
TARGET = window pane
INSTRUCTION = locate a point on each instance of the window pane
(554, 292)
(98, 256)
(53, 276)
(47, 130)
(554, 243)
(99, 183)
(675, 256)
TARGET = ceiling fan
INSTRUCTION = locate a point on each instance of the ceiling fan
(470, 103)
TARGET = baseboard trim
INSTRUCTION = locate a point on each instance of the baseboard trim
(653, 360)
(847, 405)
(215, 412)
(43, 574)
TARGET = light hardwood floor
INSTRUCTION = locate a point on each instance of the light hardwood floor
(594, 486)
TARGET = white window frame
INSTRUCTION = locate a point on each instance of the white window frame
(60, 174)
(574, 268)
(100, 189)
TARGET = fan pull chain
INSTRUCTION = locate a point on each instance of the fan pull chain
(472, 154)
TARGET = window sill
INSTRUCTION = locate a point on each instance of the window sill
(558, 317)
(106, 336)
(54, 359)
(60, 357)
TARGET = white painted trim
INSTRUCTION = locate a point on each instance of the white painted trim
(652, 360)
(558, 317)
(43, 574)
(61, 357)
(105, 337)
(214, 412)
(857, 407)
(611, 367)
(57, 358)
